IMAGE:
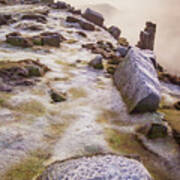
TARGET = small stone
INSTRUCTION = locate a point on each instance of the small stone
(38, 17)
(16, 39)
(33, 71)
(111, 70)
(4, 18)
(51, 39)
(94, 17)
(71, 19)
(86, 26)
(82, 34)
(157, 131)
(122, 51)
(97, 62)
(58, 96)
(114, 31)
(177, 105)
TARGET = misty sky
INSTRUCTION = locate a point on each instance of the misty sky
(131, 15)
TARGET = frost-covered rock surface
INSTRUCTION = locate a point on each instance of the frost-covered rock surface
(137, 80)
(85, 115)
(108, 167)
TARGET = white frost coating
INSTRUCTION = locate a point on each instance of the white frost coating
(137, 80)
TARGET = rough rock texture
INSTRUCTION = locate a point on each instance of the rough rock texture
(114, 31)
(16, 39)
(94, 17)
(4, 19)
(108, 167)
(147, 37)
(137, 80)
(97, 62)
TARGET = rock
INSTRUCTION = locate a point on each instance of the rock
(38, 17)
(177, 105)
(51, 39)
(16, 39)
(20, 73)
(60, 5)
(94, 17)
(4, 19)
(137, 81)
(147, 37)
(97, 62)
(106, 49)
(58, 96)
(82, 34)
(86, 26)
(169, 78)
(30, 26)
(176, 136)
(101, 167)
(74, 11)
(114, 31)
(71, 19)
(154, 131)
(157, 131)
(122, 51)
(111, 70)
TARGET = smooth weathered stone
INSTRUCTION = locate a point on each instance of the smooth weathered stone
(107, 167)
(137, 80)
(94, 17)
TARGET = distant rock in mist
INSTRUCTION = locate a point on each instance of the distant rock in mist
(105, 8)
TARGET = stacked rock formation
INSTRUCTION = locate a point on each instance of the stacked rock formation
(147, 37)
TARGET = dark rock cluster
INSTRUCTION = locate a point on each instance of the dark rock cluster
(22, 73)
(147, 37)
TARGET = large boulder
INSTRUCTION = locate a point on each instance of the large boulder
(94, 17)
(107, 167)
(137, 80)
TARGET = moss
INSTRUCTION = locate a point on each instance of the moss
(77, 92)
(29, 167)
(32, 107)
(71, 41)
(57, 129)
(173, 118)
(3, 98)
(127, 144)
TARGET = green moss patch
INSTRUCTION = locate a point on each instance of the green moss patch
(77, 92)
(28, 168)
(32, 107)
(127, 144)
(173, 118)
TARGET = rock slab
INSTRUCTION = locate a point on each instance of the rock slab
(137, 80)
(108, 167)
(93, 17)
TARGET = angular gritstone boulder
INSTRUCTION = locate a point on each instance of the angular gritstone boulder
(94, 17)
(107, 167)
(137, 80)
